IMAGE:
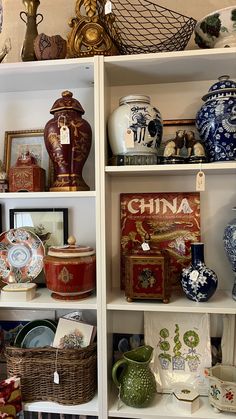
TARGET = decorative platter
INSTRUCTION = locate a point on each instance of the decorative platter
(21, 256)
(36, 334)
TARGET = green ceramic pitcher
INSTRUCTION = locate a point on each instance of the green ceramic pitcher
(136, 382)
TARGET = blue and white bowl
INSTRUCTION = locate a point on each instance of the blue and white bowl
(216, 120)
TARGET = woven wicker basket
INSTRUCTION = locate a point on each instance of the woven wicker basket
(77, 369)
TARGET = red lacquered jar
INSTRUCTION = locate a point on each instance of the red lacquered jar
(68, 138)
(70, 271)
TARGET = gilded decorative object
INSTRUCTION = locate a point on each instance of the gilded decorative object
(88, 36)
(68, 140)
(27, 53)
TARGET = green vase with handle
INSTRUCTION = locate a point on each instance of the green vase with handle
(136, 381)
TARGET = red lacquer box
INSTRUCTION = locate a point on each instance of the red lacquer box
(147, 275)
(26, 175)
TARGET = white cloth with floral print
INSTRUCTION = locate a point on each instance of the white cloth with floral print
(182, 349)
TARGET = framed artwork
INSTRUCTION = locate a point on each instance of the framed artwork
(18, 142)
(50, 224)
(170, 129)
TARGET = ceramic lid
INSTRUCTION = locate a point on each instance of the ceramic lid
(223, 85)
(72, 250)
(67, 102)
(134, 98)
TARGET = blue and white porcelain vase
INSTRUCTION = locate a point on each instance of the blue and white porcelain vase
(216, 120)
(135, 127)
(199, 282)
(230, 248)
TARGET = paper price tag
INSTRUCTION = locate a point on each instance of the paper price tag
(129, 138)
(145, 246)
(108, 7)
(56, 379)
(64, 135)
(200, 181)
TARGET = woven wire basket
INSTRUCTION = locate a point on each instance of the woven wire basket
(77, 370)
(142, 26)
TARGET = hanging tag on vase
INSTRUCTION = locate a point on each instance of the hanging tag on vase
(64, 135)
(129, 138)
(145, 246)
(108, 7)
(200, 181)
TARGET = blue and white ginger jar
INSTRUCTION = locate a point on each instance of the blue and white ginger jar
(135, 127)
(229, 239)
(216, 120)
(199, 282)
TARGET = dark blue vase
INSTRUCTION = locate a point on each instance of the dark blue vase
(216, 120)
(198, 282)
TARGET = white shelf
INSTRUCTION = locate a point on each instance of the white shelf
(44, 300)
(90, 408)
(169, 67)
(40, 195)
(172, 169)
(162, 407)
(220, 303)
(46, 75)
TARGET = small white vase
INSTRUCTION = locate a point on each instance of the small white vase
(135, 127)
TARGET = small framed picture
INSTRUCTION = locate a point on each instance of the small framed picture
(18, 142)
(50, 224)
(183, 128)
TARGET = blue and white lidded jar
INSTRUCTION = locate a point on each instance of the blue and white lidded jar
(199, 282)
(216, 120)
(229, 239)
(135, 127)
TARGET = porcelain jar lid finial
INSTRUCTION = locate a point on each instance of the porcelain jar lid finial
(224, 85)
(67, 102)
(71, 250)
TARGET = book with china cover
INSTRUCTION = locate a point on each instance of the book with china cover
(170, 219)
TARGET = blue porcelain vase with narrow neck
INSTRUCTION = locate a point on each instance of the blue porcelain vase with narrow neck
(229, 239)
(199, 282)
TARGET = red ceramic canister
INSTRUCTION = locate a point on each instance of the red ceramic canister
(70, 271)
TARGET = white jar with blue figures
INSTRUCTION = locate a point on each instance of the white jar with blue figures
(216, 120)
(135, 128)
(199, 283)
(229, 239)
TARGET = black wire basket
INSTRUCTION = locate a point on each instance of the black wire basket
(138, 27)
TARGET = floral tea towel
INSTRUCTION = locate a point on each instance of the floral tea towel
(182, 349)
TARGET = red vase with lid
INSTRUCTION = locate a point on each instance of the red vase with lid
(68, 140)
(70, 271)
